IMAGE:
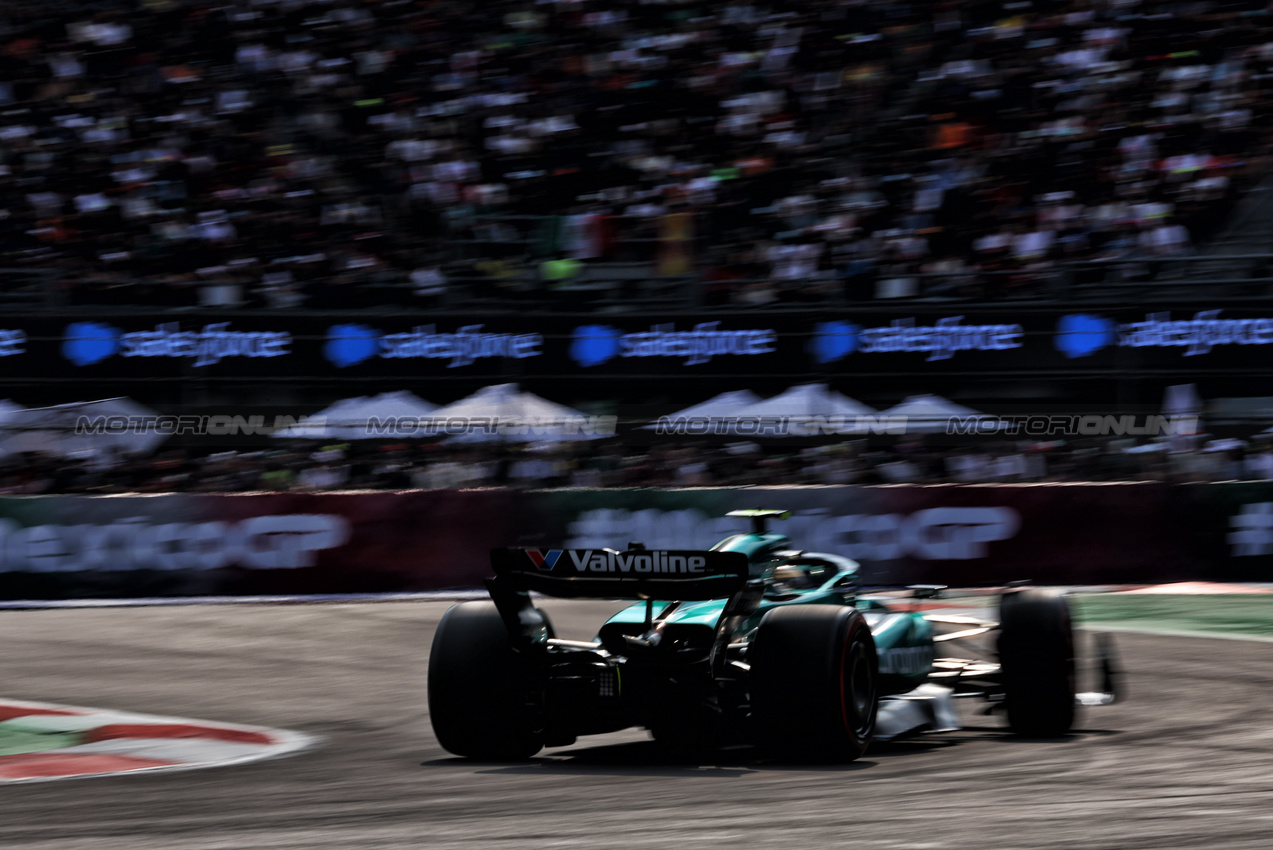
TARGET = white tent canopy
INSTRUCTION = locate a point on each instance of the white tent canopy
(81, 428)
(808, 400)
(7, 409)
(1181, 401)
(724, 404)
(505, 413)
(932, 414)
(717, 407)
(364, 418)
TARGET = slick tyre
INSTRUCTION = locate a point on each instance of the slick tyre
(482, 695)
(814, 683)
(1036, 652)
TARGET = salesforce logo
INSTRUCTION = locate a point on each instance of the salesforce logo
(593, 345)
(85, 343)
(12, 341)
(1197, 335)
(348, 345)
(833, 341)
(942, 340)
(1081, 334)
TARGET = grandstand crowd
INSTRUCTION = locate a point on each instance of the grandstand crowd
(337, 153)
(438, 153)
(401, 466)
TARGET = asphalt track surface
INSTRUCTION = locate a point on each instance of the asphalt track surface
(1186, 761)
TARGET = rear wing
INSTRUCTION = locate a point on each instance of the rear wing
(760, 517)
(671, 574)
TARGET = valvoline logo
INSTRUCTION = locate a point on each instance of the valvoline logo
(544, 560)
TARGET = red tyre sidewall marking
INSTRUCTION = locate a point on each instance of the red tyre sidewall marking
(844, 658)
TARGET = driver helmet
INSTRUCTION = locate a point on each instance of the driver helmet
(791, 577)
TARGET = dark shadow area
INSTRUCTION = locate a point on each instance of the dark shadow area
(997, 733)
(647, 758)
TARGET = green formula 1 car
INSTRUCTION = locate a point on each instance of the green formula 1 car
(764, 644)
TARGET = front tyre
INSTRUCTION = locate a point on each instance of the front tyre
(814, 683)
(1036, 653)
(481, 693)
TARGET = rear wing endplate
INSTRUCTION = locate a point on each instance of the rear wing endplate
(760, 517)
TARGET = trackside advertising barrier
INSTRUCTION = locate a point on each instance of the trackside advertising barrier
(921, 339)
(55, 547)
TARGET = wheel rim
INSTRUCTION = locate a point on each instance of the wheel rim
(859, 690)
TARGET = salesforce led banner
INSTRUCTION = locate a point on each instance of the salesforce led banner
(824, 344)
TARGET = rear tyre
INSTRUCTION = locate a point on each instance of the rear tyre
(814, 683)
(1036, 652)
(481, 693)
